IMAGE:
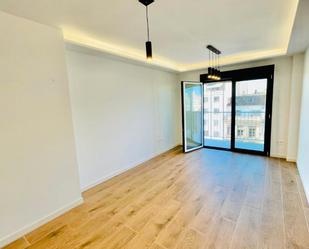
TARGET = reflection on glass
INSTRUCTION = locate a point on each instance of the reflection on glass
(250, 114)
(193, 115)
(217, 114)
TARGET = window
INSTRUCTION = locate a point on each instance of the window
(252, 132)
(240, 132)
(228, 131)
(238, 110)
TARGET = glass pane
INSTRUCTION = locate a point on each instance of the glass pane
(217, 114)
(250, 114)
(193, 94)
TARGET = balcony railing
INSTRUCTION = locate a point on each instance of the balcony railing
(249, 131)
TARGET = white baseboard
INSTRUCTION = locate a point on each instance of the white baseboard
(31, 227)
(120, 171)
(292, 160)
(288, 159)
(107, 177)
(278, 156)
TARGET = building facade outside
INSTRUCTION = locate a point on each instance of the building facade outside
(250, 114)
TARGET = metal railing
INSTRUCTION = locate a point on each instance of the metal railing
(250, 125)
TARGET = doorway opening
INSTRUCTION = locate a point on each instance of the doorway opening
(232, 114)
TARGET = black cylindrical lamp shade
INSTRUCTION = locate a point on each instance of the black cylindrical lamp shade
(148, 50)
(209, 71)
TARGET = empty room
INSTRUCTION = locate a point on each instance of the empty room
(154, 124)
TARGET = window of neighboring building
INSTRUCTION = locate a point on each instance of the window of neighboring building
(216, 123)
(228, 131)
(216, 134)
(216, 99)
(252, 132)
(216, 110)
(240, 132)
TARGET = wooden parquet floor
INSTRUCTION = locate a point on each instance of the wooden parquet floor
(206, 199)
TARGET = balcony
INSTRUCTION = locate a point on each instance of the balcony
(249, 130)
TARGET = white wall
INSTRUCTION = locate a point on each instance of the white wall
(38, 167)
(295, 106)
(303, 155)
(123, 114)
(281, 99)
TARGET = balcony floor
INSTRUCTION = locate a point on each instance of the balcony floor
(226, 143)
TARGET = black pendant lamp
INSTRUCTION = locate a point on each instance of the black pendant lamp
(214, 72)
(148, 42)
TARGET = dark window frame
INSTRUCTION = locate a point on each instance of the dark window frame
(255, 73)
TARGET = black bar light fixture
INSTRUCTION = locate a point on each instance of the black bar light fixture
(214, 72)
(148, 42)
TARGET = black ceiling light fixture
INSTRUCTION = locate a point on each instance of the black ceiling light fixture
(148, 42)
(214, 72)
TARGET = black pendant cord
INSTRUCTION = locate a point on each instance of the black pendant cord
(209, 58)
(147, 19)
(148, 42)
(218, 63)
(212, 61)
(211, 64)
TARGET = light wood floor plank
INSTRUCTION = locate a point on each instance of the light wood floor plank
(119, 240)
(247, 230)
(154, 162)
(54, 240)
(18, 244)
(207, 217)
(302, 191)
(155, 226)
(189, 210)
(289, 179)
(272, 223)
(191, 240)
(206, 199)
(220, 234)
(297, 234)
(307, 216)
(156, 246)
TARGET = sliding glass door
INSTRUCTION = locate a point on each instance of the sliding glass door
(218, 114)
(232, 114)
(250, 119)
(192, 102)
(237, 110)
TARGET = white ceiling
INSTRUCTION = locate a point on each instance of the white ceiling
(300, 35)
(180, 29)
